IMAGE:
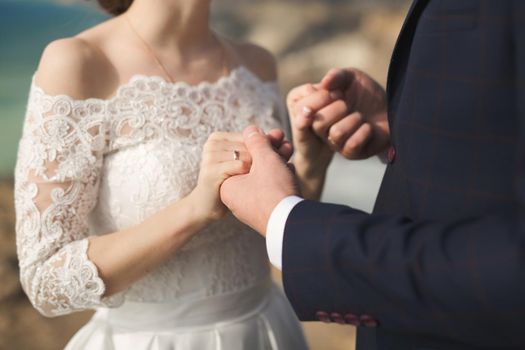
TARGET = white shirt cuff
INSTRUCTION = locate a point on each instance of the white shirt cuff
(275, 229)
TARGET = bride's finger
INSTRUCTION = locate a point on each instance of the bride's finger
(309, 106)
(285, 151)
(234, 167)
(276, 137)
(230, 155)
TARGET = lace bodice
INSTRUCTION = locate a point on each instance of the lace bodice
(92, 167)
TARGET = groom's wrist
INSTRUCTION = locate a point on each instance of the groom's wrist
(268, 209)
(276, 227)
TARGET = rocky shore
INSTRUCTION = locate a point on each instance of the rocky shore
(310, 37)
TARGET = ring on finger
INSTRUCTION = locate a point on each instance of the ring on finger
(236, 155)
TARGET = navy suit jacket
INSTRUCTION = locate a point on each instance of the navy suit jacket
(440, 264)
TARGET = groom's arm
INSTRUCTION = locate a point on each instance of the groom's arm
(458, 279)
(461, 279)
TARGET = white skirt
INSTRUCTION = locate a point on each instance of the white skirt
(259, 318)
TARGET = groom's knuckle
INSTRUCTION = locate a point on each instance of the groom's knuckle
(367, 130)
(358, 117)
(319, 127)
(352, 145)
(340, 106)
(324, 97)
(333, 71)
(299, 91)
(336, 132)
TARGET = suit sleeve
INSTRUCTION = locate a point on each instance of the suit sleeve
(461, 280)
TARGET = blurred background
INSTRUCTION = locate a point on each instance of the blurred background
(308, 37)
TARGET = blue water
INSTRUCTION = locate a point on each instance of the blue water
(25, 29)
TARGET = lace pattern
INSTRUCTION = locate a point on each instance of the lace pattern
(91, 167)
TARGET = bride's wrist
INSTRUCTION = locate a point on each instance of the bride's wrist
(201, 215)
(311, 176)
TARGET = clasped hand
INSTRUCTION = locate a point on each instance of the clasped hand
(346, 113)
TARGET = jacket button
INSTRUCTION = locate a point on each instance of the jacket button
(391, 156)
(323, 316)
(337, 318)
(352, 319)
(368, 321)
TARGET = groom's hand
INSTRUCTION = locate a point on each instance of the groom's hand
(252, 197)
(365, 131)
(347, 111)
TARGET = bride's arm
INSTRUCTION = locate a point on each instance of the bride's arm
(57, 178)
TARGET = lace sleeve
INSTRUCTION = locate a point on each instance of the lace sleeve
(56, 185)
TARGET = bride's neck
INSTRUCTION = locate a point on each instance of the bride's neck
(177, 25)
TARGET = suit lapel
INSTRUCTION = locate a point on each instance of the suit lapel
(400, 55)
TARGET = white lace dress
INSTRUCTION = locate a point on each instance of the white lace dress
(92, 167)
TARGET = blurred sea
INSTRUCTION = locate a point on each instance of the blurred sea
(25, 28)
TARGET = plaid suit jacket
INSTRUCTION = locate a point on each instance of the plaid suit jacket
(440, 264)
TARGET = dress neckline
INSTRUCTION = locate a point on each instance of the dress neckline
(137, 78)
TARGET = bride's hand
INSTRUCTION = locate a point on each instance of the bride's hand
(224, 155)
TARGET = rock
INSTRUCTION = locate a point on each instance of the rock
(344, 50)
(10, 287)
(283, 23)
(310, 37)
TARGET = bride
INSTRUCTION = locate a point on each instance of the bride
(131, 128)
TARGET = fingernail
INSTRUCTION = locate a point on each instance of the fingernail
(307, 112)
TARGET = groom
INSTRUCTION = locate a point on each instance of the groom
(440, 264)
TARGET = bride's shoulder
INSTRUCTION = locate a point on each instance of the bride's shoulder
(74, 67)
(258, 59)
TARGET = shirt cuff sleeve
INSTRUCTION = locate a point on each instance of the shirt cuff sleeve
(275, 229)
